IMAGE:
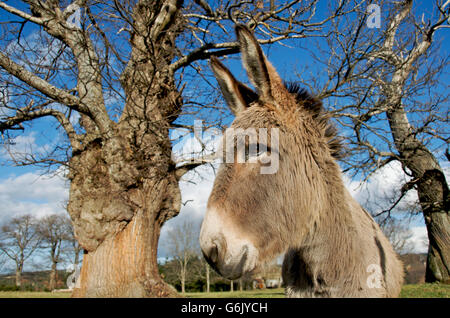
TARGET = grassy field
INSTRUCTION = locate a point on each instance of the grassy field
(20, 294)
(260, 293)
(426, 291)
(408, 291)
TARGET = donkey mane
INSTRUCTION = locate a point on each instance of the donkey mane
(315, 107)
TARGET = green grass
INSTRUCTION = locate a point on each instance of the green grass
(426, 291)
(260, 293)
(408, 291)
(21, 294)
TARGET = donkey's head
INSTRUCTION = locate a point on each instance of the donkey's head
(253, 216)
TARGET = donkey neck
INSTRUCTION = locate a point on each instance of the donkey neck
(335, 216)
(334, 229)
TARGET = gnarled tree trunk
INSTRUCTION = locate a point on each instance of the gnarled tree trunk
(124, 186)
(434, 199)
(122, 191)
(432, 190)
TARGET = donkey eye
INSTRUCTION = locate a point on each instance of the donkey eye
(249, 154)
(264, 158)
(252, 152)
(261, 156)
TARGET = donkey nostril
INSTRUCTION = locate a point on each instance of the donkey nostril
(214, 253)
(211, 255)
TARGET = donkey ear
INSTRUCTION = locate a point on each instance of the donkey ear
(237, 95)
(254, 61)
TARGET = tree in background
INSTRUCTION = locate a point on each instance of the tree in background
(117, 76)
(398, 234)
(54, 232)
(3, 262)
(19, 239)
(207, 276)
(73, 248)
(182, 244)
(383, 84)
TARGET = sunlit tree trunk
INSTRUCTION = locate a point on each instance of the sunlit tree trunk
(207, 278)
(433, 194)
(19, 276)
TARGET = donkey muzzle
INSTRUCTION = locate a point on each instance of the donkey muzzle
(226, 251)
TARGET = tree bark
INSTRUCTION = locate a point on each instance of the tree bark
(126, 264)
(121, 194)
(183, 273)
(183, 283)
(207, 278)
(53, 276)
(434, 199)
(432, 190)
(19, 277)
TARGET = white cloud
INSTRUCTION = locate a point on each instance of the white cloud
(187, 146)
(31, 193)
(23, 145)
(38, 47)
(195, 188)
(419, 239)
(382, 189)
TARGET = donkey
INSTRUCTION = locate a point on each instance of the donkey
(332, 246)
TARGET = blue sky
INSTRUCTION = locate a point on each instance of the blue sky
(23, 189)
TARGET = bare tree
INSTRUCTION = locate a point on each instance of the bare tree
(54, 231)
(383, 84)
(208, 278)
(19, 239)
(112, 76)
(204, 271)
(398, 234)
(74, 248)
(3, 262)
(182, 244)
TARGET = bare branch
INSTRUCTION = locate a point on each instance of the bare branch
(21, 14)
(56, 94)
(164, 17)
(24, 115)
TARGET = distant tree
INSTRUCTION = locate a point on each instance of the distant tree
(183, 246)
(3, 261)
(398, 234)
(198, 270)
(19, 239)
(54, 231)
(201, 270)
(74, 248)
(208, 277)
